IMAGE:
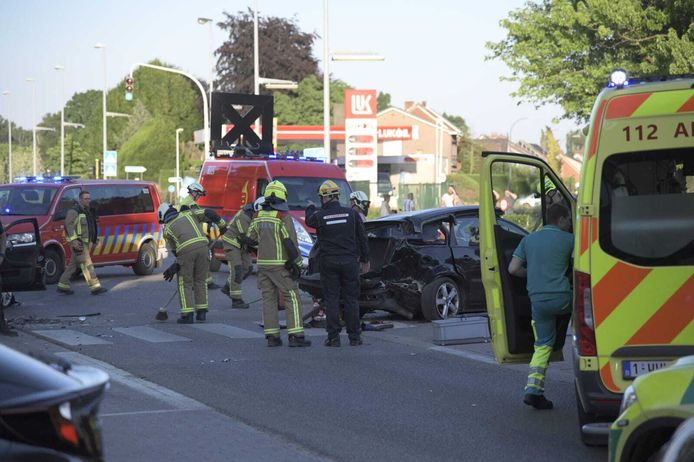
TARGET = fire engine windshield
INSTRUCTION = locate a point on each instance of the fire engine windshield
(26, 200)
(302, 189)
(647, 207)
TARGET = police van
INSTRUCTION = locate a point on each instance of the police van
(633, 273)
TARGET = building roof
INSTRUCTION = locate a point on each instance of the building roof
(446, 126)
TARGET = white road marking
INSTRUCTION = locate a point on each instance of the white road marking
(154, 411)
(163, 394)
(465, 354)
(228, 331)
(70, 337)
(149, 334)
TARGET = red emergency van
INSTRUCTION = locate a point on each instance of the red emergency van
(129, 232)
(232, 182)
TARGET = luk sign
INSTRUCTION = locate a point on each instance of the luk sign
(361, 136)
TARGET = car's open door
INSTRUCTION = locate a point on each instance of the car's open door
(525, 186)
(22, 268)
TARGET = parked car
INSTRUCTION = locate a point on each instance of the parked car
(23, 266)
(49, 410)
(424, 263)
(129, 231)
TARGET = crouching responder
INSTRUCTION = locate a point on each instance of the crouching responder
(209, 216)
(81, 233)
(279, 266)
(185, 238)
(544, 257)
(360, 203)
(235, 243)
(342, 246)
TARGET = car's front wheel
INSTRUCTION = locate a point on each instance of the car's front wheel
(54, 266)
(146, 260)
(441, 299)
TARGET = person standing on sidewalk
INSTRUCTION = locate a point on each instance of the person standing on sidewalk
(544, 257)
(342, 247)
(81, 233)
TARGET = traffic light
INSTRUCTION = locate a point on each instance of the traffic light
(129, 84)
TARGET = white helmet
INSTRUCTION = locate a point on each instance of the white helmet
(258, 204)
(361, 199)
(163, 210)
(196, 188)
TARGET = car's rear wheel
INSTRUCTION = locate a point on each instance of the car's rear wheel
(54, 266)
(146, 260)
(441, 299)
(586, 418)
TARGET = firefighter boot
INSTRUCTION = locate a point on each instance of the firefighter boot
(64, 291)
(239, 304)
(356, 341)
(538, 401)
(273, 340)
(201, 315)
(185, 319)
(225, 289)
(296, 340)
(332, 341)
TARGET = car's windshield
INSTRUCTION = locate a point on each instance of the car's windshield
(26, 200)
(301, 189)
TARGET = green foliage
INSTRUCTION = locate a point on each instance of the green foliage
(562, 51)
(575, 140)
(19, 135)
(285, 52)
(469, 155)
(467, 186)
(383, 101)
(459, 122)
(551, 146)
(305, 106)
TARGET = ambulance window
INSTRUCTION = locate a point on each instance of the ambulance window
(647, 207)
(260, 188)
(517, 193)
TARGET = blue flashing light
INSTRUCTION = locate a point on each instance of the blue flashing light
(272, 156)
(57, 178)
(39, 178)
(21, 178)
(7, 211)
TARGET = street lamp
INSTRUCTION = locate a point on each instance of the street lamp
(510, 130)
(178, 169)
(102, 47)
(32, 81)
(278, 84)
(61, 69)
(9, 134)
(210, 23)
(256, 63)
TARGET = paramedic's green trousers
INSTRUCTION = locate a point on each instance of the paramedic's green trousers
(82, 261)
(545, 310)
(238, 262)
(272, 281)
(192, 276)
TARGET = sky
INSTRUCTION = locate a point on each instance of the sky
(434, 51)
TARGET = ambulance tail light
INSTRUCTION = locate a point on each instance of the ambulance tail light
(583, 315)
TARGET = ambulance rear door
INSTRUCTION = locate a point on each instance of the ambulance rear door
(535, 187)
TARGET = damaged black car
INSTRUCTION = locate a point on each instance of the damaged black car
(423, 264)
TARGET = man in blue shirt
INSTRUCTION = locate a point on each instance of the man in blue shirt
(544, 257)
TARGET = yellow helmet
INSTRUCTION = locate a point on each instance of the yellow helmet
(277, 189)
(328, 189)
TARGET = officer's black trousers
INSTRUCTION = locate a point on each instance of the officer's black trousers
(339, 277)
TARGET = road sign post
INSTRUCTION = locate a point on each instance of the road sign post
(134, 169)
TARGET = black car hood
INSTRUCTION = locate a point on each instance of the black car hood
(27, 382)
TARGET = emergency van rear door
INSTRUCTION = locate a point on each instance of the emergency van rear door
(533, 186)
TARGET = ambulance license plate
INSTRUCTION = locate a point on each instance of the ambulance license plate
(633, 369)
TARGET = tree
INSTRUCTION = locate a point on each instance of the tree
(562, 51)
(285, 52)
(575, 141)
(551, 146)
(305, 106)
(460, 123)
(383, 101)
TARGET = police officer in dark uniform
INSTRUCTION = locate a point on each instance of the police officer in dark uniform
(342, 247)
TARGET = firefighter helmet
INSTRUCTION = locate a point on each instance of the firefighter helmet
(166, 212)
(328, 189)
(196, 188)
(277, 190)
(361, 200)
(258, 204)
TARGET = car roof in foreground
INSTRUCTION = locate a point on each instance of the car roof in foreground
(421, 216)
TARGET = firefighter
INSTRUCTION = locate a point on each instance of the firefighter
(236, 253)
(81, 234)
(360, 203)
(190, 202)
(544, 257)
(343, 245)
(279, 266)
(185, 237)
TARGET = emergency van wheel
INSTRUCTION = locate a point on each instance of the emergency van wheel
(441, 299)
(146, 260)
(583, 419)
(215, 264)
(54, 266)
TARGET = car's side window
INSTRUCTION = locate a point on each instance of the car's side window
(466, 231)
(69, 198)
(434, 232)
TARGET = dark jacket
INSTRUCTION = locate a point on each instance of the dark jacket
(340, 231)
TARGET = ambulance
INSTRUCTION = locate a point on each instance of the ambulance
(633, 271)
(234, 181)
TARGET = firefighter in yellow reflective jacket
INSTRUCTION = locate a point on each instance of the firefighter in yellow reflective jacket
(195, 192)
(184, 236)
(81, 234)
(279, 265)
(235, 243)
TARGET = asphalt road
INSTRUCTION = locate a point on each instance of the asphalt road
(215, 392)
